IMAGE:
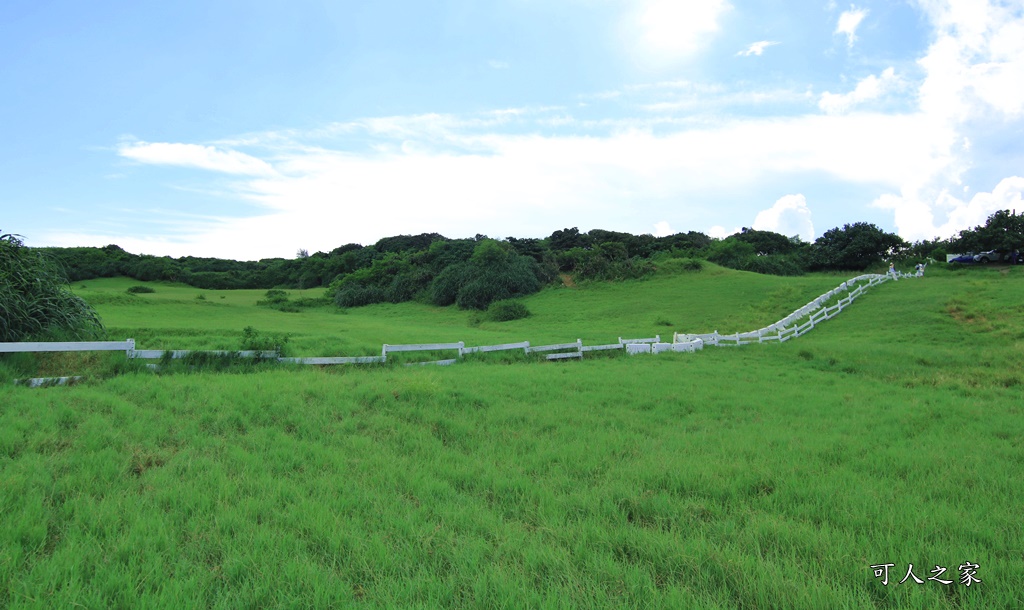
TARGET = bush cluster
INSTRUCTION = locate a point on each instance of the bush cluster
(509, 309)
(492, 271)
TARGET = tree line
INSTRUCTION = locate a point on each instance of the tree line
(473, 272)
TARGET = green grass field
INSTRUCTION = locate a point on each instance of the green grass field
(766, 476)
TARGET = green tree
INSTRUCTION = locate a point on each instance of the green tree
(407, 243)
(567, 239)
(689, 244)
(767, 242)
(35, 301)
(854, 247)
(1003, 230)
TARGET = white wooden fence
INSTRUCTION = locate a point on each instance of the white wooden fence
(803, 319)
(796, 324)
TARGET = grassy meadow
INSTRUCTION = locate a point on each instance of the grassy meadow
(766, 476)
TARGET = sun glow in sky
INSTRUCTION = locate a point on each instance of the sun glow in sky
(251, 129)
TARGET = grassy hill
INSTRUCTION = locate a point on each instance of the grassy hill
(175, 317)
(755, 477)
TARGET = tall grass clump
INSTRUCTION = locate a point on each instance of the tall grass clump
(256, 340)
(35, 299)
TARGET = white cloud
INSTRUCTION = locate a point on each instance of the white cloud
(662, 229)
(974, 74)
(465, 175)
(916, 218)
(662, 32)
(720, 232)
(848, 23)
(870, 88)
(197, 156)
(789, 216)
(976, 59)
(498, 65)
(757, 48)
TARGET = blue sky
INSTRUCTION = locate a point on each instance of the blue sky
(252, 129)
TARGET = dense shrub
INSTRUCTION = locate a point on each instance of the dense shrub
(275, 296)
(494, 272)
(509, 309)
(307, 302)
(600, 268)
(497, 274)
(391, 278)
(140, 289)
(444, 290)
(277, 299)
(408, 285)
(215, 280)
(743, 255)
(731, 253)
(356, 295)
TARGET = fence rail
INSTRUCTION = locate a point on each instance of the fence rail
(69, 346)
(338, 360)
(524, 345)
(578, 346)
(798, 323)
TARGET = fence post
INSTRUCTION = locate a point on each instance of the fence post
(131, 348)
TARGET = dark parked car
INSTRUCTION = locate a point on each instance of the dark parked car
(964, 258)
